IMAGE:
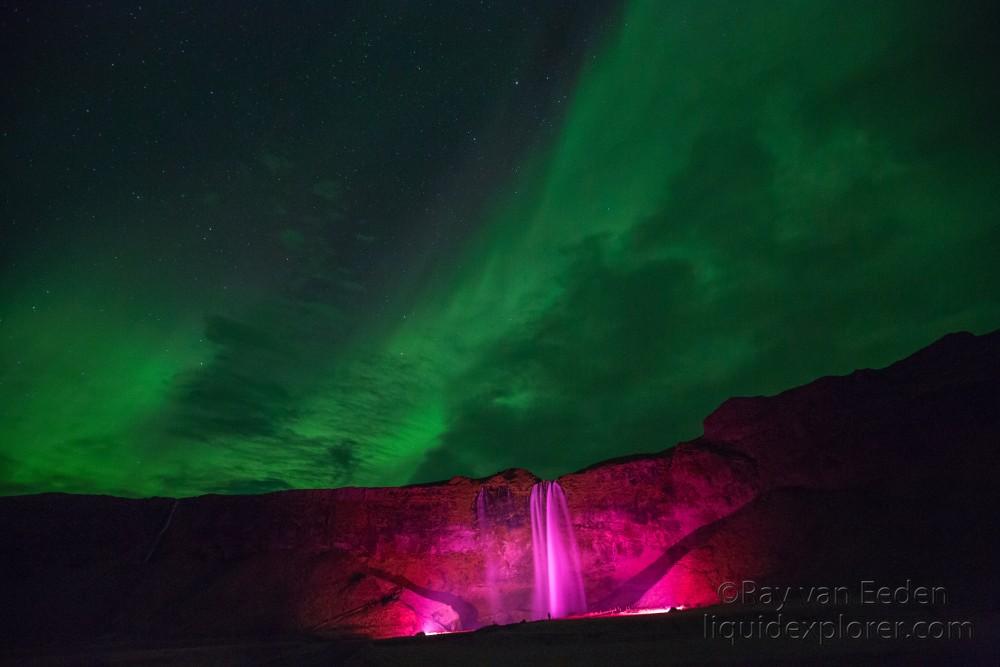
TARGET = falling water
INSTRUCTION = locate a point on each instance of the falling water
(488, 547)
(558, 584)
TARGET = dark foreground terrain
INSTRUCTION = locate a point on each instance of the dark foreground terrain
(677, 638)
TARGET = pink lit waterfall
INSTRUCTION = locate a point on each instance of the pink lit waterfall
(558, 583)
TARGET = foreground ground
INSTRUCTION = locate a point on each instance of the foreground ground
(677, 638)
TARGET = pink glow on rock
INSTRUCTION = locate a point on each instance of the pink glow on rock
(558, 588)
(413, 612)
(691, 582)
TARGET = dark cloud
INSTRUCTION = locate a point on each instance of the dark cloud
(771, 260)
(419, 243)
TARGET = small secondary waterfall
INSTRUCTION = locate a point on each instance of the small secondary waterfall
(558, 584)
(489, 547)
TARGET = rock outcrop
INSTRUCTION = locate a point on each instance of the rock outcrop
(886, 474)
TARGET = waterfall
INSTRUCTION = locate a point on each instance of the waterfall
(488, 547)
(558, 584)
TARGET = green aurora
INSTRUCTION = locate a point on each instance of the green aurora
(736, 198)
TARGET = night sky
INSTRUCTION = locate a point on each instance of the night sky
(249, 246)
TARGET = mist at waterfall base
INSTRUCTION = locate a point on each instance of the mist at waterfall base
(557, 590)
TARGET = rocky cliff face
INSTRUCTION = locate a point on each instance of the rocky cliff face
(886, 474)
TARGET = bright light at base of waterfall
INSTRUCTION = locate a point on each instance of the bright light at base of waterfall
(631, 612)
